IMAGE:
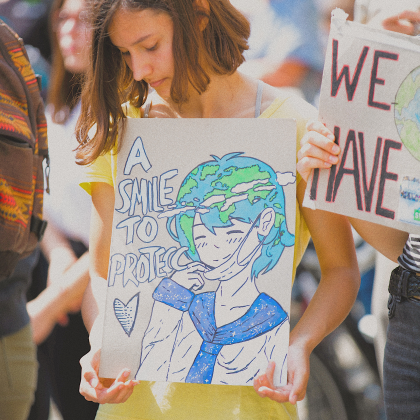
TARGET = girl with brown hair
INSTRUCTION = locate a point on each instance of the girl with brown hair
(188, 52)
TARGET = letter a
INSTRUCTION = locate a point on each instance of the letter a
(137, 156)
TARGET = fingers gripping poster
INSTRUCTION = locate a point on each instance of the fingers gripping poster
(370, 100)
(200, 268)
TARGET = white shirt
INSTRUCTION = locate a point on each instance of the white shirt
(67, 205)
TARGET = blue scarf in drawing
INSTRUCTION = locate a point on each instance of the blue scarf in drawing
(263, 315)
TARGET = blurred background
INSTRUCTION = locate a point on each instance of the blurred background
(287, 47)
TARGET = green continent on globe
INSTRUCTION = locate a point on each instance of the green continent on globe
(407, 112)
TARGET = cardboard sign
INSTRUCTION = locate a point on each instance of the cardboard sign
(370, 99)
(202, 250)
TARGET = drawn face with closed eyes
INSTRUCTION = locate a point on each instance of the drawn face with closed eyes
(216, 248)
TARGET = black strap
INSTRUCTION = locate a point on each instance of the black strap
(38, 227)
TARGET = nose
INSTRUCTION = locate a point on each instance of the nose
(141, 67)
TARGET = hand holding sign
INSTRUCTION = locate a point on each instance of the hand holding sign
(318, 149)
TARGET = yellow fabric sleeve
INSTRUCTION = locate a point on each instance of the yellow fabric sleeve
(104, 168)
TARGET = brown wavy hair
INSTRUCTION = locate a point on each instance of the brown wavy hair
(109, 82)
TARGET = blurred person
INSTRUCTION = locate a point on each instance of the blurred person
(401, 367)
(29, 18)
(62, 274)
(403, 17)
(285, 49)
(23, 149)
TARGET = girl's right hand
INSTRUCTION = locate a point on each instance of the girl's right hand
(318, 149)
(96, 390)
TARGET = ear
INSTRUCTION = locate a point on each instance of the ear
(267, 219)
(205, 7)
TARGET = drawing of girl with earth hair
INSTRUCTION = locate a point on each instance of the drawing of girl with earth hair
(230, 218)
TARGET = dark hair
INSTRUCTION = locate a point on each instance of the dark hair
(109, 81)
(64, 87)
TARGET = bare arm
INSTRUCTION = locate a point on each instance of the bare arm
(53, 304)
(337, 290)
(340, 278)
(67, 280)
(335, 295)
(388, 241)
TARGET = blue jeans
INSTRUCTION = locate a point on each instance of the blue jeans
(402, 362)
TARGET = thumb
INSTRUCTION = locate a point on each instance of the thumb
(298, 390)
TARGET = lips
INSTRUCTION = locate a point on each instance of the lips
(157, 83)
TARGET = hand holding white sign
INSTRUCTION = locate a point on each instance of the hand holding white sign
(318, 149)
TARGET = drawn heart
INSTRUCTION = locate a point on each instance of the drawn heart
(127, 314)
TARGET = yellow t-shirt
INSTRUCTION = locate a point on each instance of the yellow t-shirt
(179, 401)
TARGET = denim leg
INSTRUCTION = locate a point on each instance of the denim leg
(402, 363)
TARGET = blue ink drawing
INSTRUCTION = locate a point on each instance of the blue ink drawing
(127, 314)
(230, 216)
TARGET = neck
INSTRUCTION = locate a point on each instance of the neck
(234, 298)
(228, 96)
(238, 289)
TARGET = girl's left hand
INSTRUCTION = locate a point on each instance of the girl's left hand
(109, 392)
(297, 379)
(318, 149)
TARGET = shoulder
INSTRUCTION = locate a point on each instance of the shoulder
(283, 103)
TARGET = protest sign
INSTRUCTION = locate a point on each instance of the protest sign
(370, 100)
(201, 258)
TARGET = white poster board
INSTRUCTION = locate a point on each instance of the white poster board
(202, 250)
(370, 100)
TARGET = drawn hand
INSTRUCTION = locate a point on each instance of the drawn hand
(406, 22)
(318, 149)
(191, 277)
(297, 379)
(103, 391)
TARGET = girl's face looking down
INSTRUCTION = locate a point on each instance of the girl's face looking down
(144, 38)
